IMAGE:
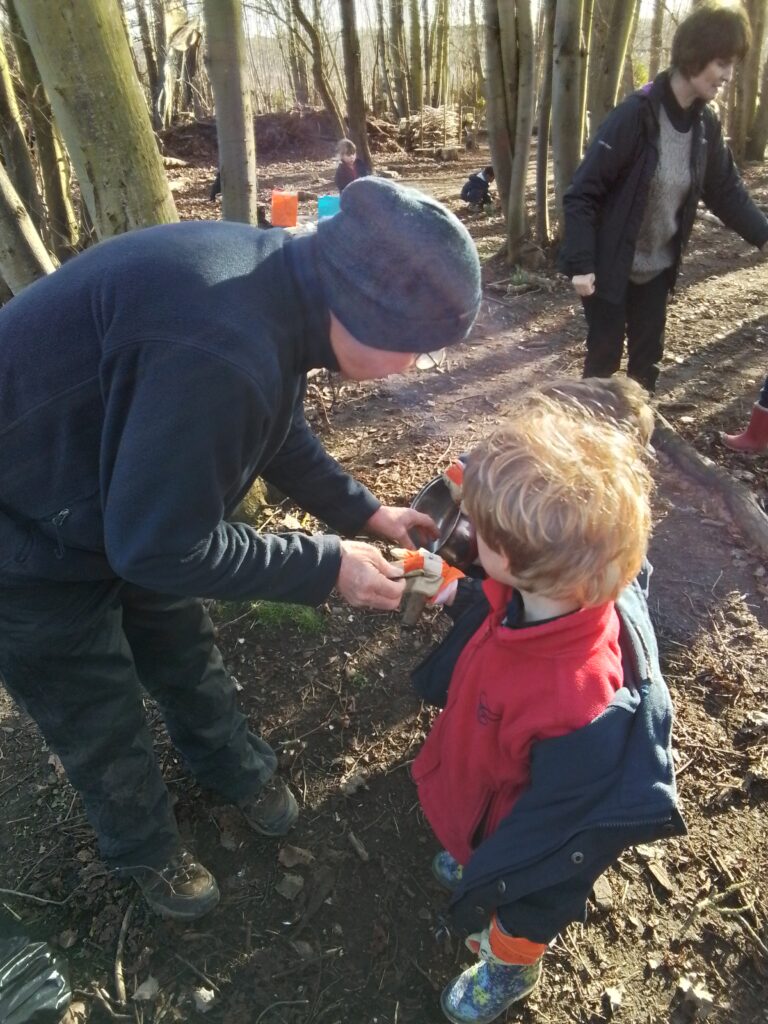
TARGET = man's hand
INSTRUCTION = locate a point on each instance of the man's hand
(428, 574)
(366, 579)
(584, 284)
(394, 523)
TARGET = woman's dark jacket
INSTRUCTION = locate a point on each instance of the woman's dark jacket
(605, 202)
(593, 792)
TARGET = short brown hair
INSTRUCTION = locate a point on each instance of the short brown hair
(565, 498)
(346, 147)
(710, 32)
(620, 400)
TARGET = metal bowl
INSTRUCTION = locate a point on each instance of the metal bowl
(456, 542)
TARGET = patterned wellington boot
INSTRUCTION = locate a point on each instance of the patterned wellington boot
(486, 990)
(447, 870)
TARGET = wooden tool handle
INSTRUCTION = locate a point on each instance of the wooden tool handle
(414, 606)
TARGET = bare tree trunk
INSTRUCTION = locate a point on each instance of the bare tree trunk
(657, 35)
(428, 45)
(234, 115)
(747, 78)
(517, 222)
(758, 133)
(612, 62)
(628, 71)
(62, 229)
(159, 100)
(585, 56)
(477, 63)
(107, 131)
(566, 145)
(545, 115)
(350, 42)
(297, 63)
(318, 70)
(23, 257)
(383, 45)
(397, 47)
(417, 67)
(440, 30)
(13, 141)
(150, 59)
(498, 118)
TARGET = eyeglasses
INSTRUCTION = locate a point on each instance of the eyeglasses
(430, 360)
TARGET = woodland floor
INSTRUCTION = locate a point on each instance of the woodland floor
(360, 942)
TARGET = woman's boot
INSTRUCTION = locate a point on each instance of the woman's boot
(755, 438)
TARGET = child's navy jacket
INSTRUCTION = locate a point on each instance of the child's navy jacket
(593, 792)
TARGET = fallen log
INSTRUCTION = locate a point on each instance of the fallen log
(739, 500)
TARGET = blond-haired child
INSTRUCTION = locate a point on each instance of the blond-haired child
(552, 754)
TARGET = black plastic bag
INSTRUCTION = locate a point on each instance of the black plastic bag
(34, 980)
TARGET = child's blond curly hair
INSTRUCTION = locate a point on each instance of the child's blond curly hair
(565, 498)
(618, 399)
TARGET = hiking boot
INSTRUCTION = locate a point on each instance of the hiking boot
(182, 889)
(446, 870)
(273, 810)
(485, 990)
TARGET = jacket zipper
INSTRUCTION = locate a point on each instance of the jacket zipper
(57, 522)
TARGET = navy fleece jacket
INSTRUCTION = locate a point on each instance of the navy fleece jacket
(146, 383)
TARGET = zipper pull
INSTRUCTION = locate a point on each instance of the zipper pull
(58, 520)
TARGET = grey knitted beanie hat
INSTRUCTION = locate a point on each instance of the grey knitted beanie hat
(399, 271)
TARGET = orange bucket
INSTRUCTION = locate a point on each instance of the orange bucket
(285, 209)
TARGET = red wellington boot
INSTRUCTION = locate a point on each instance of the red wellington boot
(755, 438)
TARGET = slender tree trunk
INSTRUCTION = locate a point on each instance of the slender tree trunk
(585, 57)
(160, 101)
(150, 58)
(566, 145)
(657, 35)
(517, 222)
(440, 29)
(23, 257)
(319, 75)
(628, 71)
(417, 66)
(234, 115)
(84, 63)
(62, 228)
(297, 62)
(758, 133)
(498, 118)
(477, 63)
(747, 78)
(350, 42)
(386, 78)
(545, 115)
(397, 49)
(612, 62)
(13, 141)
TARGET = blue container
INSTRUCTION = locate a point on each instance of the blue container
(327, 206)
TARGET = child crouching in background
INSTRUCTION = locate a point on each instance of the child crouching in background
(552, 753)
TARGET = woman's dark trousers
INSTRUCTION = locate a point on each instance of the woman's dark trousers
(640, 318)
(76, 656)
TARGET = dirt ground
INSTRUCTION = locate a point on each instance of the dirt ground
(342, 924)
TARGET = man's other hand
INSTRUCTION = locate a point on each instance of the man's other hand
(395, 524)
(366, 579)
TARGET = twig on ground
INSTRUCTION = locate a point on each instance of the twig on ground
(38, 899)
(281, 1002)
(200, 974)
(104, 1000)
(119, 976)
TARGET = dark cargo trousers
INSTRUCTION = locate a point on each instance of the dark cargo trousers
(641, 318)
(76, 656)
